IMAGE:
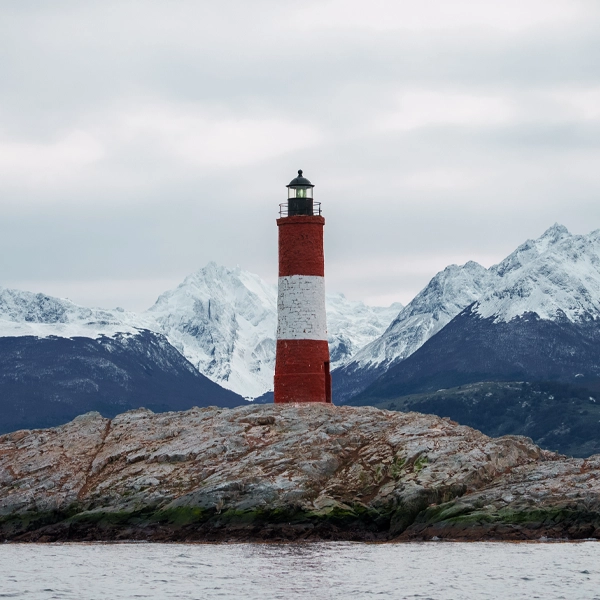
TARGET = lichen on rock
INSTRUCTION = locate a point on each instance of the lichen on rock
(270, 472)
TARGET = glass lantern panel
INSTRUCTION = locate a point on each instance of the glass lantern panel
(300, 192)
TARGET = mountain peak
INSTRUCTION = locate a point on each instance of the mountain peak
(557, 227)
(223, 320)
(554, 234)
(556, 276)
(531, 249)
(35, 314)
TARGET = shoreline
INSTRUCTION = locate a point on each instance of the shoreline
(133, 542)
(196, 526)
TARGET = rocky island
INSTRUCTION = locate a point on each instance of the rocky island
(288, 472)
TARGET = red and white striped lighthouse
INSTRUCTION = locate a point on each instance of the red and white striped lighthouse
(302, 360)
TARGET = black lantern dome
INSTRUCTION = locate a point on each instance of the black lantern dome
(300, 196)
(300, 182)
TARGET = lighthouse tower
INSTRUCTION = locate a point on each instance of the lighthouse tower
(302, 360)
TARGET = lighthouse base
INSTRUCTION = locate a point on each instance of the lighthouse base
(302, 371)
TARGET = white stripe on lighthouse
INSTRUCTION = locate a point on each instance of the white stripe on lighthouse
(301, 308)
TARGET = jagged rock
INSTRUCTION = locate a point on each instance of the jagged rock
(288, 472)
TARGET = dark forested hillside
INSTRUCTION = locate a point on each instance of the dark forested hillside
(49, 381)
(560, 417)
(471, 349)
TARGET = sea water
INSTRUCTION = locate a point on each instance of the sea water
(312, 571)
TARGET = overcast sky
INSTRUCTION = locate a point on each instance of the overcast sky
(141, 139)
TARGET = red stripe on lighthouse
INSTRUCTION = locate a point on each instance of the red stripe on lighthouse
(301, 246)
(302, 371)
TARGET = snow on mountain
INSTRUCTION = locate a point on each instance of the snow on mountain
(28, 314)
(222, 320)
(352, 325)
(556, 276)
(449, 292)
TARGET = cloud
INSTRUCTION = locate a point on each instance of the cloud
(139, 140)
(426, 15)
(580, 104)
(169, 139)
(423, 108)
(41, 164)
(195, 136)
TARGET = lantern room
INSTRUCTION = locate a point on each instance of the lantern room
(300, 198)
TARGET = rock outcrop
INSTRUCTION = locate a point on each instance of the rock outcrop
(288, 472)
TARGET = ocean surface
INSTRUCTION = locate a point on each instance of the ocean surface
(311, 571)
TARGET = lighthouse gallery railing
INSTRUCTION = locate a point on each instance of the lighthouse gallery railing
(312, 209)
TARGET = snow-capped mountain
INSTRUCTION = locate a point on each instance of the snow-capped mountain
(555, 277)
(27, 314)
(434, 307)
(352, 325)
(222, 320)
(59, 360)
(530, 316)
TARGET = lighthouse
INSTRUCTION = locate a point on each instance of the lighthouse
(302, 359)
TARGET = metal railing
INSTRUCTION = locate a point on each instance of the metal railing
(314, 209)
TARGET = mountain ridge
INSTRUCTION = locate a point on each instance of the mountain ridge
(48, 381)
(221, 319)
(553, 278)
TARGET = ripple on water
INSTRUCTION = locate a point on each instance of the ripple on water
(326, 570)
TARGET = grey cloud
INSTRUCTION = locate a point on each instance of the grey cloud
(414, 199)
